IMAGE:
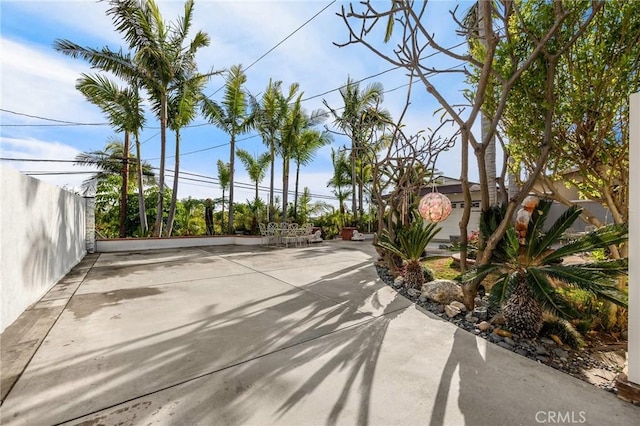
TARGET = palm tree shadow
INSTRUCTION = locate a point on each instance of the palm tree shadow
(466, 358)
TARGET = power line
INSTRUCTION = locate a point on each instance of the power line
(212, 180)
(62, 122)
(283, 40)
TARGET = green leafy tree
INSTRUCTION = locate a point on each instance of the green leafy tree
(530, 272)
(359, 117)
(340, 180)
(182, 110)
(233, 116)
(156, 59)
(255, 166)
(270, 111)
(190, 217)
(123, 107)
(224, 179)
(304, 152)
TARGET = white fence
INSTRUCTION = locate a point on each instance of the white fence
(42, 236)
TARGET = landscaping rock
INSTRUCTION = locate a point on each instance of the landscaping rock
(503, 333)
(498, 319)
(509, 341)
(541, 350)
(459, 305)
(505, 345)
(484, 326)
(560, 353)
(442, 291)
(413, 292)
(398, 282)
(470, 318)
(451, 311)
(547, 341)
(495, 338)
(480, 312)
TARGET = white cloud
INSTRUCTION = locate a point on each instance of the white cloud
(42, 83)
(38, 149)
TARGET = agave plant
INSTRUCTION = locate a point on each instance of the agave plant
(409, 245)
(529, 274)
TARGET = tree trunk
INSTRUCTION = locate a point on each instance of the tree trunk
(295, 196)
(354, 194)
(272, 181)
(232, 160)
(125, 185)
(174, 194)
(285, 187)
(144, 227)
(163, 153)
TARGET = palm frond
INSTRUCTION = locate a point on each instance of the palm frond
(564, 222)
(543, 291)
(606, 236)
(502, 288)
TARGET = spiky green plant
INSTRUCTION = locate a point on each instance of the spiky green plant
(530, 274)
(410, 244)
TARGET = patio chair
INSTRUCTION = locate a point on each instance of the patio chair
(290, 234)
(263, 233)
(304, 233)
(273, 233)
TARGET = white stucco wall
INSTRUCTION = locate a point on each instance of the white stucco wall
(42, 236)
(634, 240)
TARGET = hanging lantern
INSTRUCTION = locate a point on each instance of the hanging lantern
(434, 207)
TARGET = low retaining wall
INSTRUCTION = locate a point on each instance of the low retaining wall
(127, 244)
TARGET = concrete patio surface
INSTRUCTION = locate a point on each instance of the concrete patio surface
(232, 335)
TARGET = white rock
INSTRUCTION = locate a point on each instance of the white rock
(451, 311)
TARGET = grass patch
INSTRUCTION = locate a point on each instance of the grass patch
(443, 267)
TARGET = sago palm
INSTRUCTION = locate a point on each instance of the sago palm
(530, 274)
(410, 244)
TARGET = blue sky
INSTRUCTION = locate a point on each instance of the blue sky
(37, 81)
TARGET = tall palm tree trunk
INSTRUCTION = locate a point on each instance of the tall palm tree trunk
(272, 182)
(222, 218)
(163, 152)
(174, 193)
(354, 194)
(125, 185)
(232, 159)
(295, 195)
(141, 207)
(285, 188)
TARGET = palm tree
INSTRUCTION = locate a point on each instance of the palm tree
(269, 113)
(340, 179)
(255, 166)
(182, 110)
(359, 116)
(473, 21)
(409, 244)
(156, 59)
(123, 107)
(293, 124)
(304, 152)
(109, 162)
(233, 116)
(224, 179)
(531, 271)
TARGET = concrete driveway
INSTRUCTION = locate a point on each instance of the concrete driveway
(260, 336)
